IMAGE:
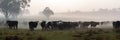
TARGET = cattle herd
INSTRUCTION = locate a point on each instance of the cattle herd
(60, 25)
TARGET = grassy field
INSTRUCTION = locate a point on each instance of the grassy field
(79, 34)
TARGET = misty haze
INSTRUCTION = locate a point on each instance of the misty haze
(71, 10)
(60, 16)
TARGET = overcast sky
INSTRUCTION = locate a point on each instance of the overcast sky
(72, 5)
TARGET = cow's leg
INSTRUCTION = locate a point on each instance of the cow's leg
(13, 27)
(10, 27)
(16, 27)
(44, 27)
(51, 27)
(47, 28)
(32, 29)
(117, 29)
(60, 28)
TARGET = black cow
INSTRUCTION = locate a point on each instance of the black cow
(61, 25)
(86, 24)
(94, 24)
(12, 24)
(64, 25)
(116, 25)
(69, 25)
(104, 22)
(32, 25)
(45, 25)
(52, 25)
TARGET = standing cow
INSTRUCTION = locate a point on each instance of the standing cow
(86, 24)
(12, 24)
(61, 25)
(116, 26)
(32, 25)
(51, 25)
(94, 24)
(43, 25)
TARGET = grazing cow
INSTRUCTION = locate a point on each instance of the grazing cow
(44, 25)
(64, 25)
(49, 26)
(86, 24)
(116, 25)
(60, 25)
(94, 24)
(70, 25)
(101, 23)
(53, 25)
(32, 25)
(104, 22)
(12, 24)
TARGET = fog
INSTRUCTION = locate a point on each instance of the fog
(68, 16)
(87, 16)
(70, 10)
(72, 5)
(67, 10)
(74, 16)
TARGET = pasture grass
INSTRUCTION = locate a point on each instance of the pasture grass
(78, 34)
